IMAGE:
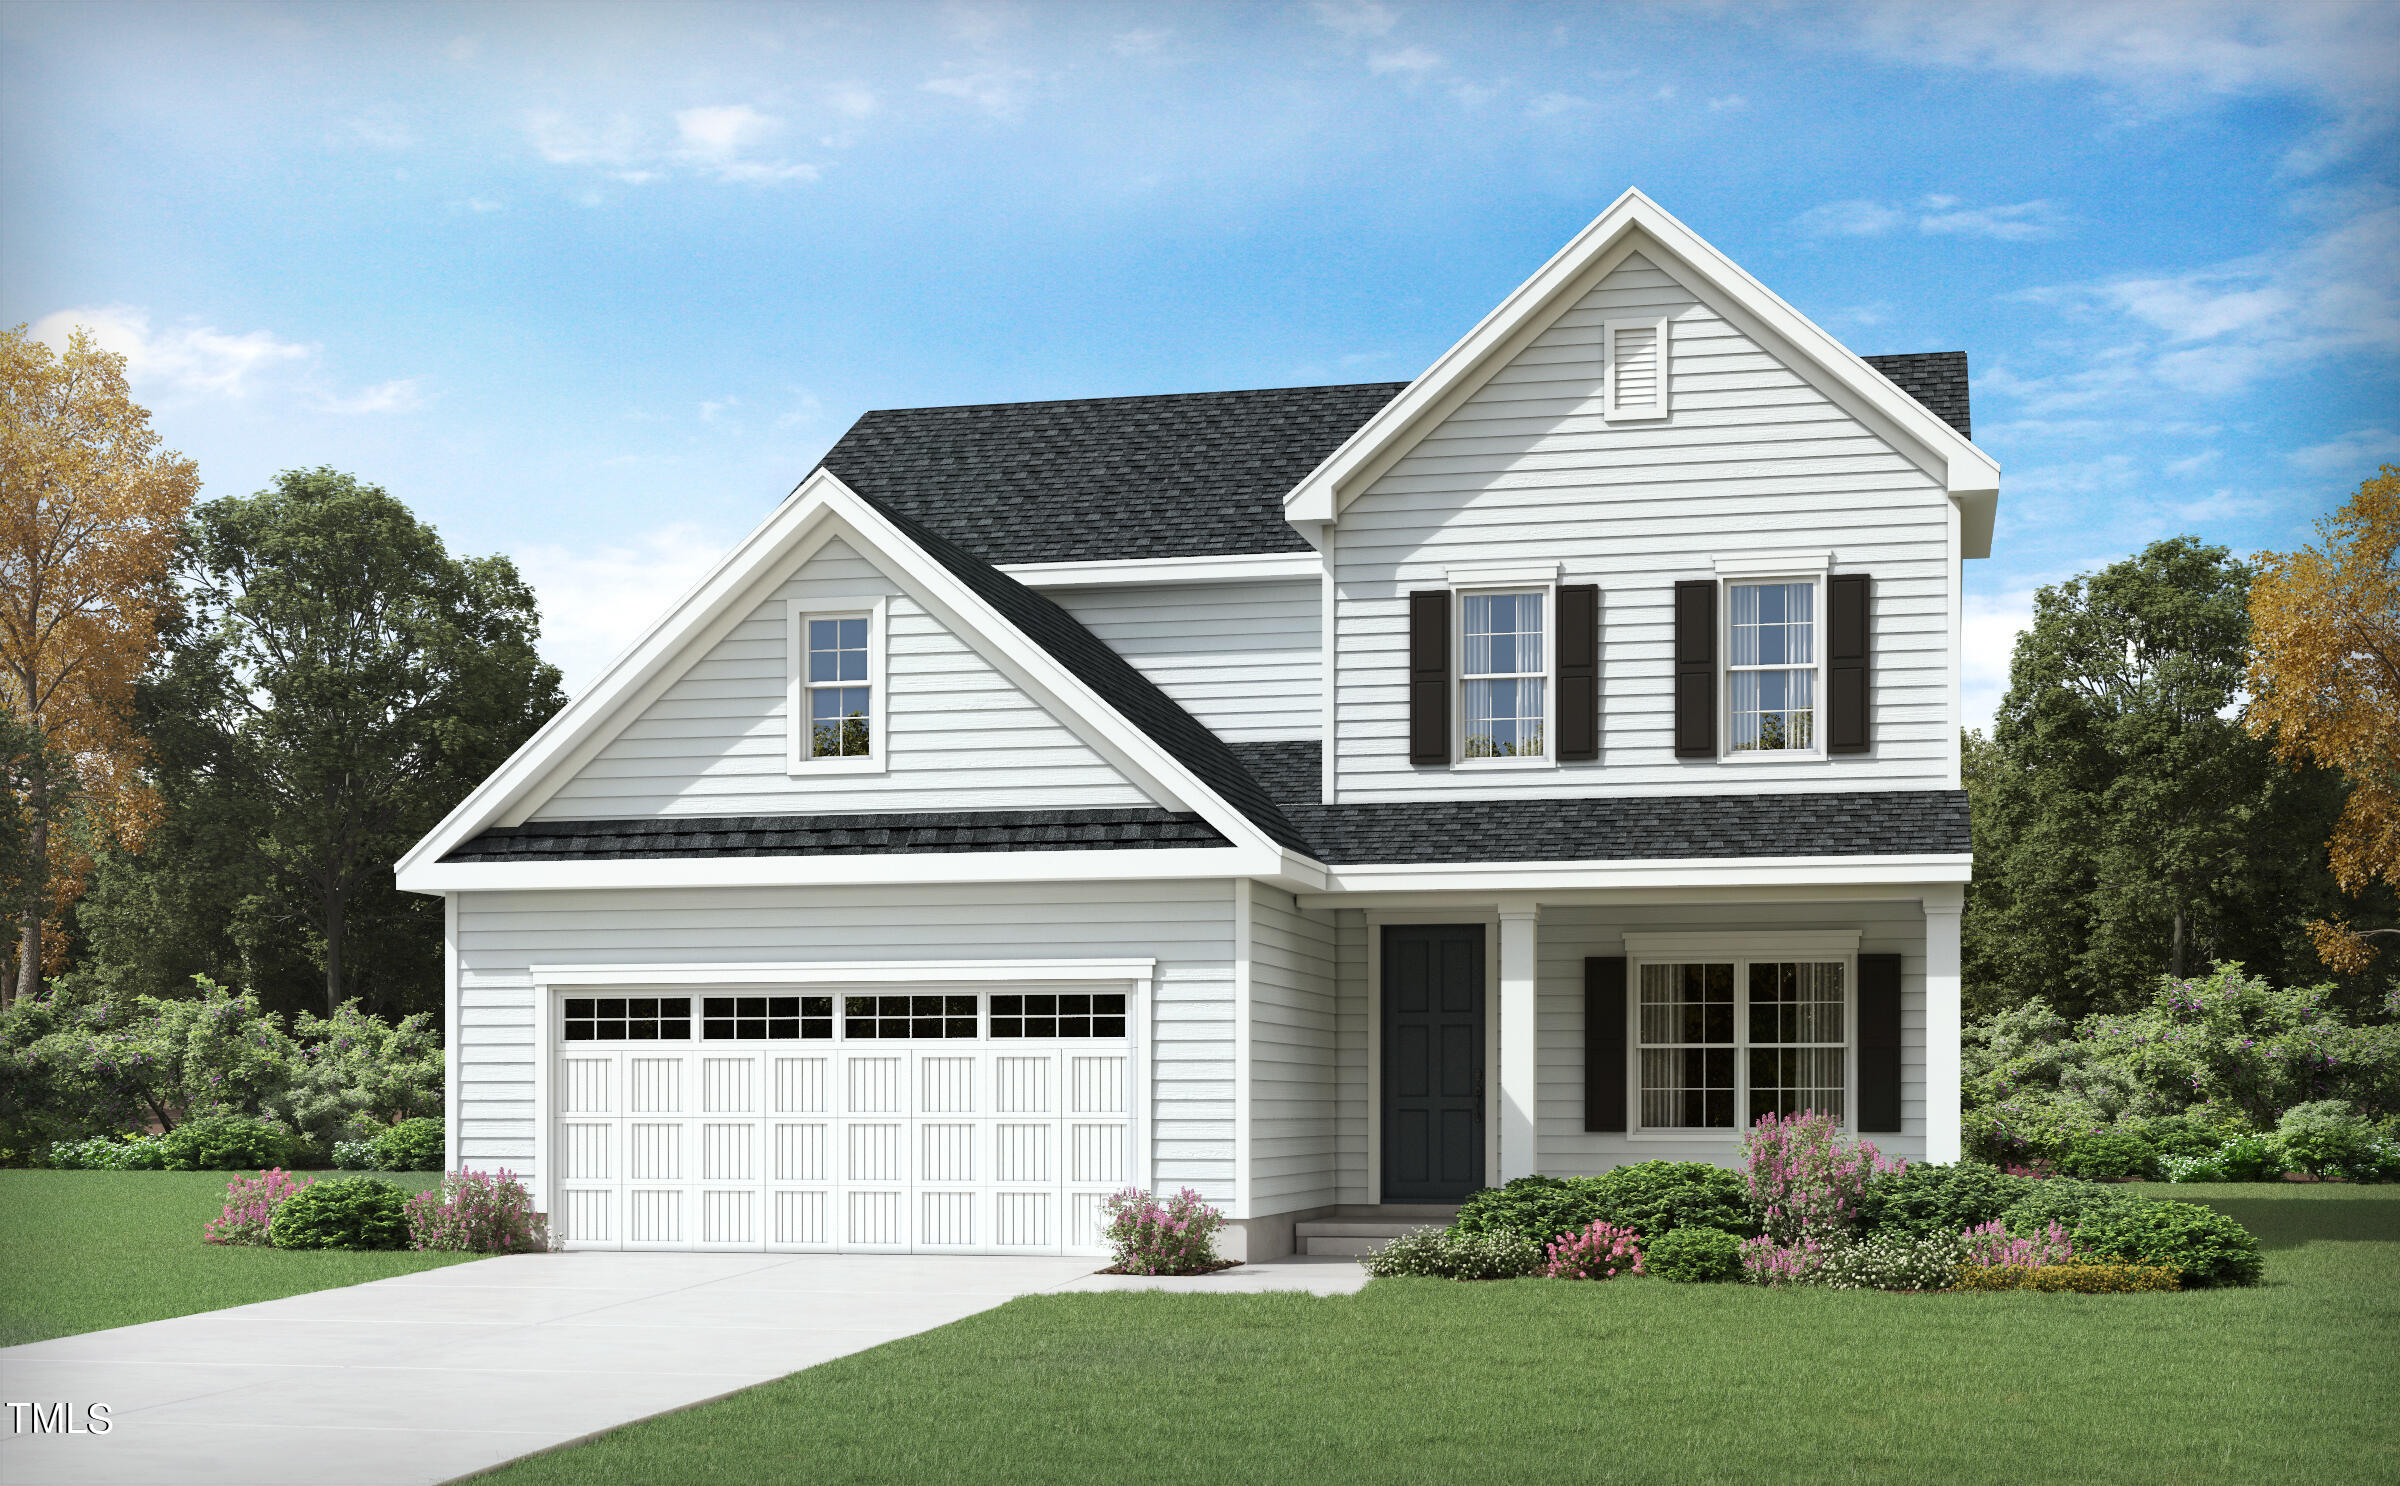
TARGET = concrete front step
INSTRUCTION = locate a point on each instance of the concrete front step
(1356, 1231)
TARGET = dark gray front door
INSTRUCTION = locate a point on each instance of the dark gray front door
(1432, 1062)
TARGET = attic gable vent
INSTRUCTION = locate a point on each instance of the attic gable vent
(1637, 368)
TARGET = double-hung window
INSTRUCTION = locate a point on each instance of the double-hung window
(1721, 1042)
(1771, 667)
(1503, 676)
(837, 706)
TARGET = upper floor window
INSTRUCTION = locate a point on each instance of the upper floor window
(1503, 676)
(835, 687)
(1771, 667)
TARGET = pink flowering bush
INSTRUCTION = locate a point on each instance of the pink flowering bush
(1805, 1180)
(1177, 1236)
(474, 1212)
(1766, 1262)
(1600, 1252)
(250, 1203)
(1991, 1244)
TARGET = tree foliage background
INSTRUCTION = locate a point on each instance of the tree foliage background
(2128, 823)
(335, 682)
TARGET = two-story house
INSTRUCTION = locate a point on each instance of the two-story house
(1322, 797)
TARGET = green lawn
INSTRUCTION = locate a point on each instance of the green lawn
(1634, 1380)
(83, 1250)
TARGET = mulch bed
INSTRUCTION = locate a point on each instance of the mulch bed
(1190, 1274)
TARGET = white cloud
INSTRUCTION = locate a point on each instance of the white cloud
(1413, 60)
(1988, 643)
(2026, 221)
(188, 360)
(723, 131)
(384, 131)
(998, 90)
(1146, 42)
(596, 601)
(2359, 452)
(1731, 102)
(722, 142)
(1551, 105)
(1849, 219)
(401, 395)
(853, 101)
(1356, 19)
(2160, 56)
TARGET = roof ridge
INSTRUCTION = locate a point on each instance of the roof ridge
(1067, 402)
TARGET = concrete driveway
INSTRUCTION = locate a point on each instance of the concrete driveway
(430, 1376)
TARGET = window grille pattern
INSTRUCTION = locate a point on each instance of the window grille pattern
(1687, 1047)
(1796, 1038)
(1059, 1016)
(628, 1019)
(1770, 664)
(1501, 669)
(759, 1018)
(909, 1016)
(839, 698)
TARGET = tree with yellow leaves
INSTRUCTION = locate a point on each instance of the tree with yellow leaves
(90, 514)
(2324, 678)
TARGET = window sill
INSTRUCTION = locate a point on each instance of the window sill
(1482, 765)
(805, 768)
(1751, 758)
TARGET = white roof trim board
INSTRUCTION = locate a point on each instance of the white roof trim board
(1634, 223)
(821, 508)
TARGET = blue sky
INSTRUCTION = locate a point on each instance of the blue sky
(594, 285)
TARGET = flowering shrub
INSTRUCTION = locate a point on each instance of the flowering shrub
(1891, 1261)
(1805, 1180)
(2079, 1278)
(2323, 1138)
(1599, 1252)
(1177, 1236)
(1766, 1262)
(250, 1204)
(1447, 1254)
(107, 1153)
(2208, 1168)
(1693, 1256)
(354, 1155)
(477, 1213)
(1991, 1244)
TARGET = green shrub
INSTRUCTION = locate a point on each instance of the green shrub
(2251, 1158)
(1694, 1256)
(354, 1155)
(2207, 1168)
(352, 1212)
(107, 1153)
(1926, 1200)
(1448, 1254)
(2109, 1155)
(1649, 1197)
(2188, 1134)
(2202, 1246)
(225, 1143)
(1533, 1207)
(2379, 1162)
(2079, 1279)
(411, 1145)
(2323, 1137)
(1893, 1261)
(2061, 1200)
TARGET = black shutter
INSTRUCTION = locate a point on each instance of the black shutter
(1696, 668)
(1429, 676)
(1879, 1044)
(1848, 598)
(1604, 1043)
(1579, 672)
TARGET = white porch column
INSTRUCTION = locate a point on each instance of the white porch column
(1941, 1024)
(1520, 1062)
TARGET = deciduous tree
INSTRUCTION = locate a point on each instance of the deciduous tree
(2324, 678)
(90, 512)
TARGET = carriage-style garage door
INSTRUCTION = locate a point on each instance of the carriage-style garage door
(962, 1121)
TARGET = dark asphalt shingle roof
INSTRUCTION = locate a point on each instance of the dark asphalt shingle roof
(1937, 379)
(1635, 828)
(838, 835)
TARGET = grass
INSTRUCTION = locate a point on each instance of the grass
(1633, 1380)
(84, 1250)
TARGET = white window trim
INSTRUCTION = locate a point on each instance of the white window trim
(1750, 758)
(1608, 371)
(1749, 567)
(1547, 587)
(797, 761)
(1834, 946)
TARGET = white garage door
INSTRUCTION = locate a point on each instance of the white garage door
(956, 1121)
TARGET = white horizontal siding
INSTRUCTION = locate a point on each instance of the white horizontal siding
(959, 735)
(1752, 460)
(1244, 658)
(1186, 927)
(1293, 1096)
